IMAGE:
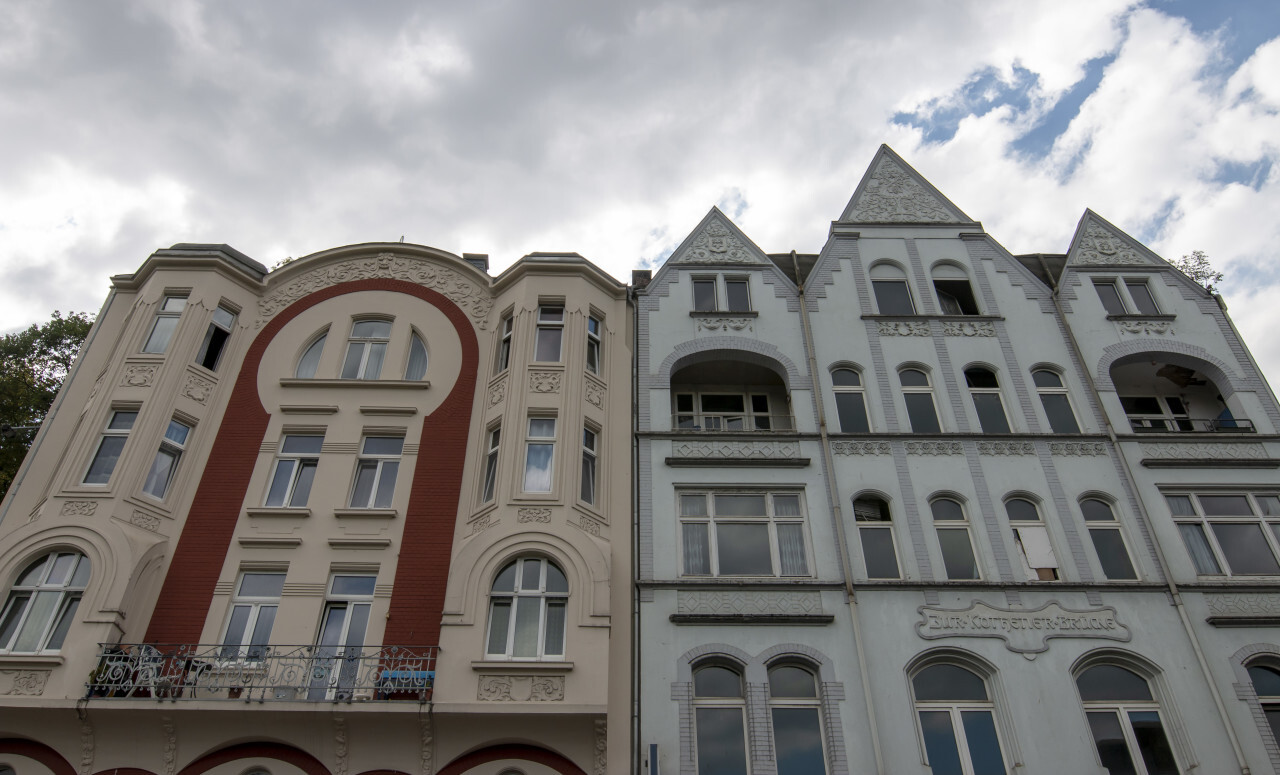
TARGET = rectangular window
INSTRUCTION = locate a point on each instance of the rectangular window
(704, 295)
(110, 447)
(340, 642)
(1109, 294)
(491, 466)
(953, 539)
(165, 324)
(721, 294)
(737, 294)
(1108, 541)
(1234, 534)
(539, 454)
(295, 471)
(166, 460)
(920, 412)
(1143, 301)
(893, 297)
(593, 345)
(955, 297)
(549, 334)
(719, 412)
(376, 471)
(743, 534)
(589, 440)
(1132, 296)
(875, 530)
(1156, 414)
(215, 339)
(504, 345)
(366, 349)
(253, 612)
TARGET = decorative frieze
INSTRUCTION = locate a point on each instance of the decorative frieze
(736, 450)
(1244, 604)
(892, 195)
(968, 328)
(144, 520)
(545, 381)
(717, 602)
(197, 388)
(1099, 245)
(1078, 448)
(715, 244)
(138, 375)
(861, 447)
(498, 392)
(24, 683)
(933, 447)
(602, 747)
(587, 525)
(482, 524)
(594, 393)
(1006, 448)
(169, 749)
(533, 515)
(1146, 326)
(427, 734)
(86, 747)
(1024, 631)
(520, 688)
(1204, 450)
(339, 745)
(78, 508)
(903, 327)
(724, 324)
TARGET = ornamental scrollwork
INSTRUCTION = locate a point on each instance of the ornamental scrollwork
(903, 328)
(545, 381)
(861, 447)
(498, 393)
(1078, 448)
(968, 328)
(602, 747)
(1100, 245)
(1204, 451)
(138, 376)
(725, 324)
(23, 683)
(716, 244)
(594, 393)
(1146, 326)
(144, 521)
(892, 195)
(533, 515)
(78, 508)
(736, 450)
(589, 526)
(933, 448)
(1006, 448)
(520, 688)
(197, 388)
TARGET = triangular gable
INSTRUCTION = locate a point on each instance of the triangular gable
(716, 240)
(1098, 242)
(892, 192)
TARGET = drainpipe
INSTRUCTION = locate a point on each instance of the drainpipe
(1171, 585)
(833, 502)
(637, 746)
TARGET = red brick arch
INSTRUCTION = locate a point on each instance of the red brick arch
(528, 753)
(277, 751)
(39, 752)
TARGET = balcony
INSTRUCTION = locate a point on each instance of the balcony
(732, 423)
(1158, 396)
(730, 396)
(1171, 424)
(311, 673)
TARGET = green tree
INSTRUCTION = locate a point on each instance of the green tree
(1197, 267)
(33, 365)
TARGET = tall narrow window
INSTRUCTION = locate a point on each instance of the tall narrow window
(539, 454)
(416, 368)
(593, 345)
(1109, 294)
(875, 530)
(1266, 684)
(1104, 529)
(165, 463)
(1053, 397)
(504, 345)
(253, 612)
(889, 284)
(165, 324)
(310, 360)
(1034, 547)
(797, 725)
(719, 720)
(376, 471)
(918, 395)
(1143, 301)
(366, 349)
(851, 406)
(704, 295)
(549, 334)
(340, 642)
(215, 339)
(295, 471)
(743, 534)
(955, 295)
(589, 440)
(953, 538)
(957, 722)
(110, 447)
(737, 295)
(42, 603)
(986, 400)
(527, 606)
(1125, 721)
(491, 466)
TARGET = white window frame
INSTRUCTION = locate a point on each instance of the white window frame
(925, 389)
(974, 392)
(589, 487)
(382, 467)
(169, 313)
(1114, 524)
(888, 272)
(1166, 421)
(1267, 523)
(955, 709)
(295, 462)
(243, 649)
(1029, 531)
(549, 325)
(1122, 709)
(962, 525)
(865, 525)
(489, 485)
(66, 604)
(595, 327)
(367, 344)
(859, 390)
(109, 432)
(172, 445)
(531, 441)
(738, 703)
(216, 338)
(1128, 301)
(722, 302)
(1061, 390)
(749, 419)
(416, 341)
(505, 329)
(545, 597)
(813, 703)
(771, 519)
(316, 345)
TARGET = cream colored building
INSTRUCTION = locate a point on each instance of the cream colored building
(367, 512)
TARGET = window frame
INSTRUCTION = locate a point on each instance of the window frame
(952, 274)
(298, 461)
(814, 704)
(212, 340)
(590, 472)
(416, 340)
(975, 392)
(1267, 524)
(1269, 703)
(163, 312)
(722, 300)
(1046, 392)
(66, 605)
(713, 523)
(595, 343)
(506, 328)
(955, 710)
(531, 441)
(749, 419)
(174, 448)
(546, 598)
(948, 524)
(712, 703)
(915, 390)
(1167, 420)
(1127, 302)
(846, 391)
(867, 525)
(1121, 708)
(1018, 525)
(109, 432)
(317, 341)
(489, 484)
(244, 649)
(367, 345)
(883, 274)
(1095, 526)
(548, 327)
(381, 461)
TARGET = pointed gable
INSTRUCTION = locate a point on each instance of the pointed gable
(1097, 242)
(717, 241)
(892, 192)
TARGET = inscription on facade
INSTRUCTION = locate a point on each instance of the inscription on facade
(1024, 631)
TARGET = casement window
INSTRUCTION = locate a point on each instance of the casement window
(215, 339)
(539, 454)
(729, 533)
(366, 349)
(719, 720)
(416, 367)
(376, 471)
(1132, 296)
(590, 441)
(165, 464)
(491, 466)
(851, 405)
(955, 295)
(594, 329)
(875, 531)
(42, 603)
(549, 334)
(985, 391)
(309, 363)
(340, 642)
(1108, 539)
(1034, 547)
(295, 471)
(1266, 684)
(165, 324)
(110, 446)
(1156, 414)
(717, 412)
(794, 710)
(957, 721)
(953, 539)
(1233, 534)
(504, 344)
(1125, 721)
(527, 606)
(889, 284)
(721, 294)
(918, 395)
(1054, 399)
(253, 612)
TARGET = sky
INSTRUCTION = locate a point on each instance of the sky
(609, 129)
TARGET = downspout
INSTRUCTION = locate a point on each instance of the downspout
(1172, 586)
(833, 502)
(637, 747)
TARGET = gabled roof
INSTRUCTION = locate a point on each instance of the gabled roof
(1098, 242)
(716, 240)
(892, 192)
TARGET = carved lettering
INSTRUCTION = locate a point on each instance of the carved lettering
(1024, 631)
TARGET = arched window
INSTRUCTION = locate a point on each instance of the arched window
(43, 602)
(719, 720)
(851, 406)
(918, 395)
(986, 399)
(310, 360)
(875, 529)
(527, 610)
(953, 538)
(1104, 529)
(366, 349)
(1053, 397)
(797, 726)
(416, 368)
(955, 295)
(1125, 721)
(889, 284)
(1266, 684)
(957, 722)
(1034, 547)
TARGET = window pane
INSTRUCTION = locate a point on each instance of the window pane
(990, 413)
(946, 509)
(1225, 505)
(693, 505)
(716, 681)
(554, 640)
(506, 580)
(1142, 298)
(161, 333)
(81, 576)
(737, 296)
(177, 432)
(949, 682)
(353, 585)
(1266, 681)
(157, 481)
(174, 303)
(262, 627)
(984, 746)
(122, 421)
(1154, 746)
(788, 681)
(1245, 548)
(351, 365)
(499, 614)
(1109, 737)
(537, 470)
(235, 628)
(417, 368)
(1046, 379)
(528, 610)
(1058, 409)
(302, 445)
(1113, 683)
(542, 428)
(1096, 511)
(744, 549)
(921, 414)
(261, 585)
(1112, 555)
(104, 462)
(913, 378)
(980, 378)
(531, 576)
(550, 314)
(302, 489)
(697, 551)
(1198, 547)
(556, 581)
(786, 505)
(310, 360)
(386, 485)
(721, 742)
(846, 378)
(373, 364)
(1021, 510)
(42, 610)
(957, 554)
(59, 632)
(704, 295)
(1273, 718)
(740, 506)
(383, 445)
(797, 741)
(892, 297)
(548, 344)
(791, 549)
(1110, 298)
(852, 413)
(362, 492)
(878, 551)
(1270, 505)
(940, 742)
(588, 493)
(61, 572)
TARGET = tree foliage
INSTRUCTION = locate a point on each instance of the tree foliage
(1197, 267)
(33, 365)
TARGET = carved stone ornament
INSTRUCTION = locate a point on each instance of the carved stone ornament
(1100, 245)
(498, 393)
(892, 195)
(144, 521)
(1078, 448)
(545, 381)
(426, 728)
(138, 375)
(724, 324)
(743, 603)
(197, 388)
(533, 515)
(602, 747)
(968, 328)
(716, 244)
(903, 328)
(1202, 450)
(24, 683)
(1146, 326)
(1006, 448)
(86, 747)
(861, 447)
(461, 291)
(587, 526)
(339, 745)
(1244, 604)
(594, 393)
(1023, 630)
(933, 448)
(520, 688)
(169, 751)
(78, 508)
(736, 450)
(482, 524)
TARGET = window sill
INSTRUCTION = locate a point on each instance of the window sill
(405, 384)
(30, 661)
(277, 511)
(711, 313)
(758, 619)
(365, 513)
(518, 665)
(931, 317)
(1131, 316)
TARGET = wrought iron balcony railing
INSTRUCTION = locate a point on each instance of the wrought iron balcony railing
(263, 673)
(731, 423)
(1160, 424)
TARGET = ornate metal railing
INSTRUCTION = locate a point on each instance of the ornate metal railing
(263, 673)
(1154, 424)
(731, 423)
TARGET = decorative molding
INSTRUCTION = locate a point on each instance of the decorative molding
(933, 447)
(724, 324)
(1146, 326)
(594, 393)
(136, 375)
(169, 751)
(339, 745)
(1078, 448)
(461, 291)
(24, 683)
(736, 450)
(892, 195)
(1206, 450)
(498, 392)
(717, 602)
(903, 328)
(533, 515)
(78, 508)
(587, 525)
(1244, 604)
(545, 381)
(968, 328)
(520, 688)
(1100, 245)
(482, 524)
(86, 747)
(144, 520)
(1025, 630)
(861, 447)
(426, 729)
(602, 747)
(197, 388)
(716, 244)
(1006, 448)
